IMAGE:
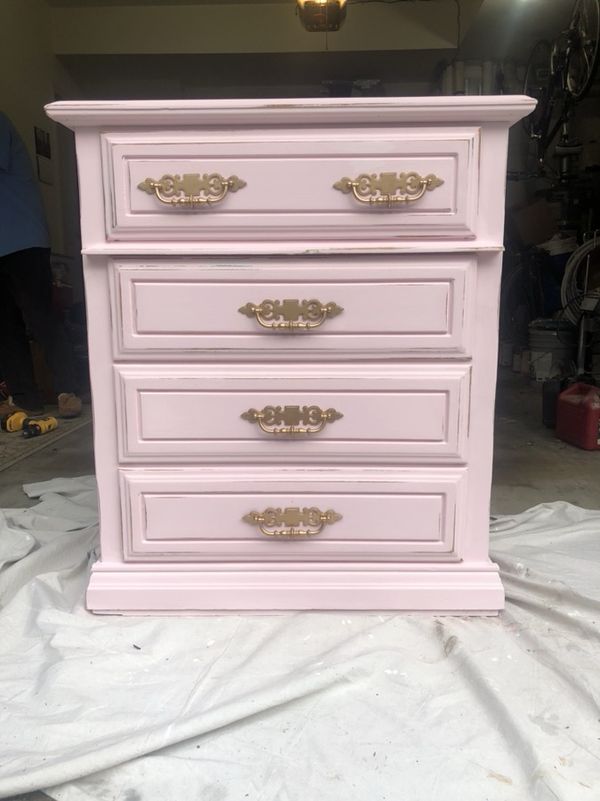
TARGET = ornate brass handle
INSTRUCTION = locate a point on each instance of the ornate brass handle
(291, 314)
(313, 417)
(388, 188)
(192, 190)
(291, 517)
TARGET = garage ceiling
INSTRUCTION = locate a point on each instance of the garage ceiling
(74, 3)
(488, 28)
(104, 26)
(188, 44)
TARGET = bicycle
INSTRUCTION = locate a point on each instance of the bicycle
(559, 74)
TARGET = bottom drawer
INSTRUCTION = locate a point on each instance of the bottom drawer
(373, 514)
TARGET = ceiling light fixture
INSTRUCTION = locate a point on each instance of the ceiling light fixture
(320, 16)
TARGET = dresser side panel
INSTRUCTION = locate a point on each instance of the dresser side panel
(481, 417)
(92, 189)
(102, 382)
(492, 183)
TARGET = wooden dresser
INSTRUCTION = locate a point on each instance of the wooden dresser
(292, 311)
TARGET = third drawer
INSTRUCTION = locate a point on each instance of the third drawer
(303, 413)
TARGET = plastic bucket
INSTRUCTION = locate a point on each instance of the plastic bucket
(552, 345)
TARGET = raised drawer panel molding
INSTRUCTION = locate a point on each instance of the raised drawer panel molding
(293, 185)
(192, 515)
(415, 306)
(292, 311)
(401, 413)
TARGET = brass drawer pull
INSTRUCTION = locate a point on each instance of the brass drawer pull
(388, 188)
(290, 418)
(192, 190)
(291, 314)
(291, 517)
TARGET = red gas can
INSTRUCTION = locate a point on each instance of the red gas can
(578, 416)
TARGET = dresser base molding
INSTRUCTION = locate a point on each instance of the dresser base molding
(159, 591)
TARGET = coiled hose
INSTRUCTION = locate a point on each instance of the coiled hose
(574, 285)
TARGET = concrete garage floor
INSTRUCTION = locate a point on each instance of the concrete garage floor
(72, 455)
(530, 465)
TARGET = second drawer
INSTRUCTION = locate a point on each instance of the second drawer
(289, 308)
(179, 413)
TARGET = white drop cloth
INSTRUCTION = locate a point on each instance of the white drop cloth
(301, 707)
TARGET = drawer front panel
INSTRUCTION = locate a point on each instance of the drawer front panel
(382, 304)
(194, 515)
(174, 413)
(285, 184)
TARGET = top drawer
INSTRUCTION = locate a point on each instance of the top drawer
(318, 184)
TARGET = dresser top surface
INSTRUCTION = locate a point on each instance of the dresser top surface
(375, 110)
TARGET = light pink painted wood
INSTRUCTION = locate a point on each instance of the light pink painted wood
(483, 392)
(490, 116)
(187, 250)
(190, 515)
(314, 111)
(457, 591)
(290, 177)
(420, 306)
(392, 413)
(158, 310)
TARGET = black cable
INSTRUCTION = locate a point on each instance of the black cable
(458, 25)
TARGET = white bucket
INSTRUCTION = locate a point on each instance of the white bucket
(552, 349)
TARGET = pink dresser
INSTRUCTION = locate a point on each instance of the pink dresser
(292, 313)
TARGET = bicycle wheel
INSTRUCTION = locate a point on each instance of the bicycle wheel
(583, 51)
(537, 84)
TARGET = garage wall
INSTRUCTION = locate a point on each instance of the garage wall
(30, 75)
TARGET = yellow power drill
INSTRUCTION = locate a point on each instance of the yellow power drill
(13, 421)
(30, 426)
(34, 426)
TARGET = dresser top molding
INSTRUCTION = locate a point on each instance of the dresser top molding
(505, 109)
